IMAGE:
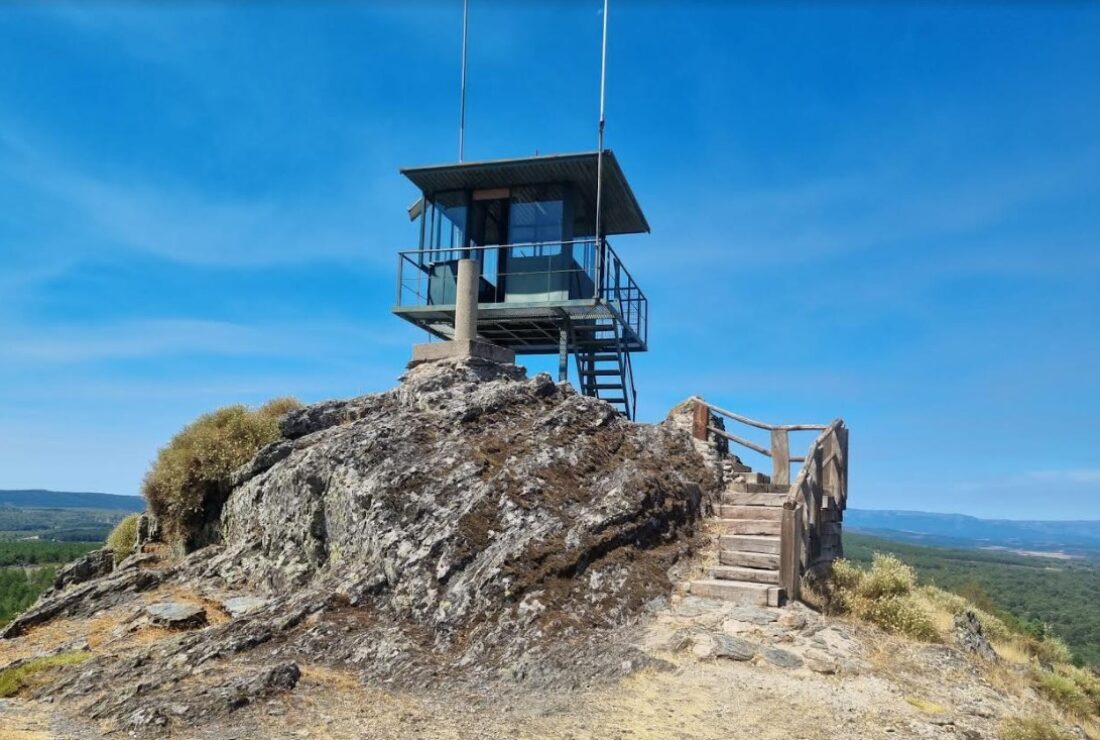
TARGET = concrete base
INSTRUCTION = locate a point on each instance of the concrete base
(460, 349)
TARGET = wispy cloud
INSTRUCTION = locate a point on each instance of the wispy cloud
(189, 225)
(143, 338)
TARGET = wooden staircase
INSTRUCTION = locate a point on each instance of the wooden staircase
(771, 530)
(748, 528)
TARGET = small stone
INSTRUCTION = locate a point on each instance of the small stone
(176, 614)
(240, 605)
(677, 641)
(792, 620)
(733, 648)
(820, 662)
(754, 614)
(703, 647)
(781, 658)
(693, 606)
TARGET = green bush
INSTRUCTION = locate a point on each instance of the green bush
(1030, 728)
(190, 480)
(883, 595)
(123, 537)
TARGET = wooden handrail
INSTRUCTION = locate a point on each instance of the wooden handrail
(810, 522)
(740, 440)
(759, 424)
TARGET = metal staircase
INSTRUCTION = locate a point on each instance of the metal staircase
(603, 364)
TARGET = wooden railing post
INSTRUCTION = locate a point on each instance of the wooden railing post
(781, 458)
(700, 421)
(790, 549)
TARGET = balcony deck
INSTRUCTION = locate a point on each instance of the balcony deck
(530, 293)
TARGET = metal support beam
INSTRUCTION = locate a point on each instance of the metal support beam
(563, 355)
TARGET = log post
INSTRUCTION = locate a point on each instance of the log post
(700, 421)
(781, 458)
(790, 548)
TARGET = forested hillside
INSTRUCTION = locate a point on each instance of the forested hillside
(1035, 591)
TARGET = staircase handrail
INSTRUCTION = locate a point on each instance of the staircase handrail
(812, 508)
(809, 528)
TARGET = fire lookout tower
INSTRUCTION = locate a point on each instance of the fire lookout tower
(547, 283)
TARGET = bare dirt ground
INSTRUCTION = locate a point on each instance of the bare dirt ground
(727, 672)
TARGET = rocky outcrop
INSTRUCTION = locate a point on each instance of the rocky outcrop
(94, 564)
(970, 634)
(471, 522)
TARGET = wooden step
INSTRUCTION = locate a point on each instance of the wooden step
(737, 573)
(749, 543)
(753, 499)
(738, 592)
(745, 559)
(773, 513)
(739, 487)
(748, 526)
(753, 478)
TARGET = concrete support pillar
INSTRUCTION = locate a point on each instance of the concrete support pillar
(466, 300)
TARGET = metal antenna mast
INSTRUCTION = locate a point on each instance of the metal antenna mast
(599, 155)
(462, 105)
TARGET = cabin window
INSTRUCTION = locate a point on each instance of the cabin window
(537, 217)
(447, 220)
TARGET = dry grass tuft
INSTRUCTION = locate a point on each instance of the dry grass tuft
(189, 481)
(123, 537)
(884, 595)
(928, 707)
(1030, 728)
(15, 680)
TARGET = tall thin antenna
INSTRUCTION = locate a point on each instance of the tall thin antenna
(462, 104)
(603, 120)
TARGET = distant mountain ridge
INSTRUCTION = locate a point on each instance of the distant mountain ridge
(44, 499)
(969, 531)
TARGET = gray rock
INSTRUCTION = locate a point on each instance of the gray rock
(792, 620)
(471, 518)
(240, 605)
(733, 648)
(94, 564)
(970, 635)
(781, 658)
(821, 662)
(754, 614)
(176, 614)
(694, 606)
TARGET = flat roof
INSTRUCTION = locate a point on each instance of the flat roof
(621, 212)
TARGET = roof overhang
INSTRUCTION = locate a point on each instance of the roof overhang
(621, 212)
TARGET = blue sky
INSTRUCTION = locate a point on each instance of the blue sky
(889, 213)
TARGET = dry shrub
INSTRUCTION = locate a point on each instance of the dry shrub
(190, 480)
(995, 628)
(1048, 649)
(1030, 728)
(1074, 690)
(1063, 691)
(883, 595)
(123, 537)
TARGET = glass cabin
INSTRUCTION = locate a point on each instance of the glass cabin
(548, 285)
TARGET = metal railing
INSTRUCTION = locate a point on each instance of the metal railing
(527, 274)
